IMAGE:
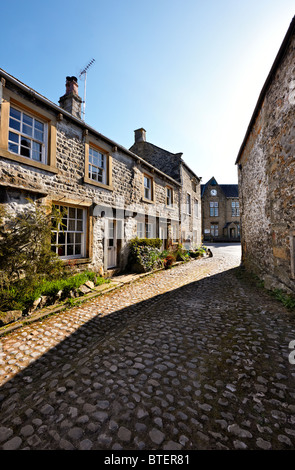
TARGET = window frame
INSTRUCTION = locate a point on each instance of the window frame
(83, 232)
(147, 190)
(169, 199)
(11, 100)
(140, 231)
(235, 209)
(102, 167)
(213, 209)
(188, 204)
(196, 208)
(151, 197)
(215, 229)
(90, 142)
(22, 135)
(175, 229)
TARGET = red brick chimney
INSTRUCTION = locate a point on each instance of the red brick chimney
(71, 100)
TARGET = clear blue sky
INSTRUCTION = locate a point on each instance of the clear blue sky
(188, 71)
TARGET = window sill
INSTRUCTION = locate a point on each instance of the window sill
(97, 184)
(76, 261)
(149, 201)
(28, 161)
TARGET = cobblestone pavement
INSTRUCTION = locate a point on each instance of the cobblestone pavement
(188, 358)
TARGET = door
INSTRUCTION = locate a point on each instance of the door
(112, 245)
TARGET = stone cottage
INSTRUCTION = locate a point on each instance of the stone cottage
(266, 169)
(172, 164)
(220, 212)
(110, 194)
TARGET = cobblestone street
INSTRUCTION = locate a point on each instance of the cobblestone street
(185, 359)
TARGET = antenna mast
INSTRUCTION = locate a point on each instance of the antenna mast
(84, 72)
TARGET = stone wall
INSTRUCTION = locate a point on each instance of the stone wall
(65, 183)
(266, 179)
(191, 224)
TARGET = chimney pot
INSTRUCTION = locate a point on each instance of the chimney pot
(140, 135)
(71, 85)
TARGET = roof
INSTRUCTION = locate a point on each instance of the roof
(166, 161)
(80, 122)
(229, 190)
(276, 64)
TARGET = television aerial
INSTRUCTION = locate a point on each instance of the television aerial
(84, 72)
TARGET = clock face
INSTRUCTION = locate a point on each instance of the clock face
(213, 192)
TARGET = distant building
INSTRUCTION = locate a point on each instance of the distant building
(220, 211)
(266, 169)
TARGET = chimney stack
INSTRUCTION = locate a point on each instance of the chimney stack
(140, 135)
(71, 100)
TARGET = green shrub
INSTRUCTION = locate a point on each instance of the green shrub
(152, 242)
(144, 255)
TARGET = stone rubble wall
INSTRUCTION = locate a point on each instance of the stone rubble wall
(67, 184)
(266, 179)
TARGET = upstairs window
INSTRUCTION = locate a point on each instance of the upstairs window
(27, 135)
(196, 209)
(168, 196)
(188, 204)
(235, 209)
(147, 185)
(97, 166)
(213, 209)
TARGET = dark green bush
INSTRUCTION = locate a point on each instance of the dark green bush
(152, 242)
(144, 254)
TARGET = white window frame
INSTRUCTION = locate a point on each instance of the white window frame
(196, 208)
(148, 230)
(175, 232)
(214, 209)
(95, 169)
(140, 229)
(147, 187)
(235, 209)
(21, 133)
(73, 229)
(168, 196)
(214, 230)
(188, 204)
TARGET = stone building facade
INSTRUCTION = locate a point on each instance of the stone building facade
(189, 230)
(110, 194)
(220, 212)
(266, 169)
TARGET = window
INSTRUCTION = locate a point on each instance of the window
(140, 230)
(97, 165)
(145, 229)
(175, 229)
(213, 209)
(27, 135)
(196, 208)
(235, 209)
(188, 204)
(169, 196)
(214, 230)
(148, 230)
(147, 185)
(68, 239)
